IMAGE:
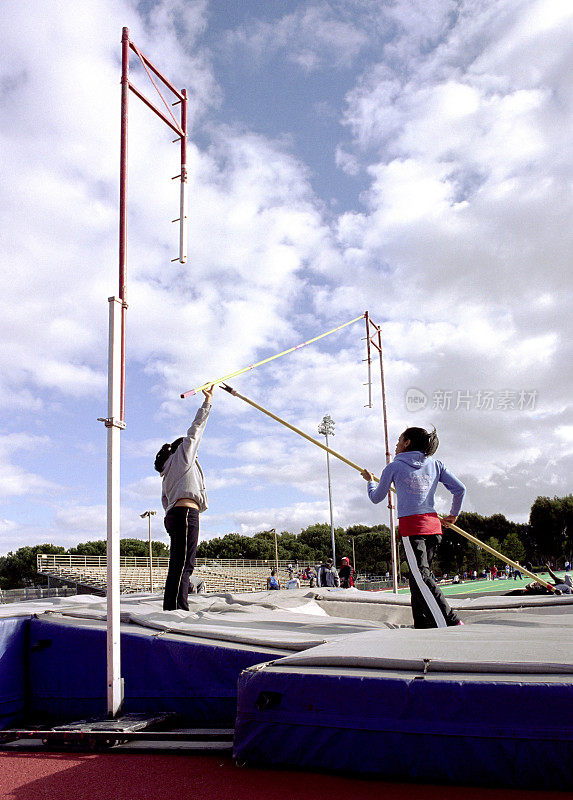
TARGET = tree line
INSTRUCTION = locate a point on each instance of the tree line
(548, 536)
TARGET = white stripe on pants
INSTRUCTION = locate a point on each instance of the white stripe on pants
(429, 598)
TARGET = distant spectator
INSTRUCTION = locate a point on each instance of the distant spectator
(293, 583)
(346, 573)
(290, 570)
(309, 575)
(493, 572)
(327, 574)
(272, 581)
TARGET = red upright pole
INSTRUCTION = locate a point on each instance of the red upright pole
(123, 205)
(184, 137)
(183, 191)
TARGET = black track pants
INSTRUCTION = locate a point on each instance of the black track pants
(182, 525)
(430, 608)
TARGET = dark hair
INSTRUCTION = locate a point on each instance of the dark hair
(421, 440)
(166, 451)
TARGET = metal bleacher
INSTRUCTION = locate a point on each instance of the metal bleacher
(223, 575)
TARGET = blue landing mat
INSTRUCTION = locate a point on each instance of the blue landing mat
(427, 706)
(161, 672)
(13, 670)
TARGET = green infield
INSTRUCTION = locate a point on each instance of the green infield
(483, 586)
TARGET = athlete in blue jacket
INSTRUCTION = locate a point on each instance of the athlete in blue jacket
(415, 476)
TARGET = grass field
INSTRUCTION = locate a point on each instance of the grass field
(481, 586)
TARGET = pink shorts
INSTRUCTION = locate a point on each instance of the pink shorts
(420, 525)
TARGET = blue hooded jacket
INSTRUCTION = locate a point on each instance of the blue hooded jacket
(415, 478)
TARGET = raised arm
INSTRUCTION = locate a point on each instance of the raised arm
(377, 493)
(190, 443)
(458, 490)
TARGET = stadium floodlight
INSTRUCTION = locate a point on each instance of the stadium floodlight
(326, 429)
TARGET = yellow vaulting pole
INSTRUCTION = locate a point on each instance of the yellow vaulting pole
(499, 555)
(266, 360)
(293, 428)
(355, 466)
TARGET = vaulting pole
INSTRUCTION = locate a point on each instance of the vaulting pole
(499, 555)
(360, 469)
(293, 428)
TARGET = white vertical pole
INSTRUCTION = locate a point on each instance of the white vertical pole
(276, 553)
(114, 427)
(150, 556)
(183, 222)
(330, 502)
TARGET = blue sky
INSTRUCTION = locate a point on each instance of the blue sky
(408, 158)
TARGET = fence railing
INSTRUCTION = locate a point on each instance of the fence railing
(34, 593)
(52, 561)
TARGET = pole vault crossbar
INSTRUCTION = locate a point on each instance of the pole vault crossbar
(191, 392)
(115, 421)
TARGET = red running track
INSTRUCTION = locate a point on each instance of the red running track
(122, 776)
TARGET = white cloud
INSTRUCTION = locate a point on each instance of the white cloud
(15, 481)
(460, 247)
(312, 37)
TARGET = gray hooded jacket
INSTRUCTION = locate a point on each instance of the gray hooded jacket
(182, 476)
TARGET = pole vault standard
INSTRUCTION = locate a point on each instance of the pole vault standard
(191, 392)
(355, 466)
(375, 340)
(115, 420)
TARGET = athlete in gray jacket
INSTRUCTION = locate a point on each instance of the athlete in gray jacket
(183, 497)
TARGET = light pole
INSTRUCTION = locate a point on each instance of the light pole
(353, 554)
(276, 552)
(149, 514)
(325, 428)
